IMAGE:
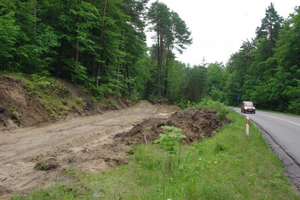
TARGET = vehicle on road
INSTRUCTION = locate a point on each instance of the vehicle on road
(248, 106)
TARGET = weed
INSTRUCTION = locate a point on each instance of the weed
(219, 147)
(70, 171)
(223, 111)
(169, 140)
(44, 166)
(41, 81)
(15, 115)
(31, 159)
(79, 101)
(202, 137)
(111, 102)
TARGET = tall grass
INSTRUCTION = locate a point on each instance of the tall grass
(230, 165)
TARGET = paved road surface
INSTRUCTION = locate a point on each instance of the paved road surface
(285, 132)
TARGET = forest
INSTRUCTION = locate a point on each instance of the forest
(100, 45)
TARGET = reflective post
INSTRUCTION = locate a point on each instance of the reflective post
(247, 125)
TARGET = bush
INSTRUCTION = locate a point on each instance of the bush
(223, 110)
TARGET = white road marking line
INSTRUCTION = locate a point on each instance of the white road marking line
(281, 119)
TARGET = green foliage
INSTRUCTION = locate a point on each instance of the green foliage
(215, 105)
(71, 171)
(41, 81)
(111, 102)
(62, 39)
(223, 110)
(197, 83)
(31, 159)
(14, 113)
(79, 101)
(170, 138)
(266, 69)
(8, 34)
(51, 94)
(171, 32)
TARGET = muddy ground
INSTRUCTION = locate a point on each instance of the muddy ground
(91, 143)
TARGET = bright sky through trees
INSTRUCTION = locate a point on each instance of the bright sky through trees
(219, 27)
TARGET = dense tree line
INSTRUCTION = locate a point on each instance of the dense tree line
(266, 70)
(101, 45)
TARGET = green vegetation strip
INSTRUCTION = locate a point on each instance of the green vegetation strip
(230, 165)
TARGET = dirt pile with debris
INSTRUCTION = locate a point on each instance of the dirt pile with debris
(194, 123)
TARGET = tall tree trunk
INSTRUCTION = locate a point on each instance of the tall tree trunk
(201, 87)
(159, 63)
(167, 70)
(93, 66)
(100, 43)
(127, 74)
(160, 58)
(35, 34)
(271, 41)
(77, 48)
(94, 57)
(34, 23)
(76, 60)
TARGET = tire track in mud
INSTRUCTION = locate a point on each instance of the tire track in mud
(85, 143)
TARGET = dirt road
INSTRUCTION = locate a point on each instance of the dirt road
(85, 143)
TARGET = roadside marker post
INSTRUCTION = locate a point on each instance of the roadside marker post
(247, 125)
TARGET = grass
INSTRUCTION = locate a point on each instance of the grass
(230, 165)
(51, 94)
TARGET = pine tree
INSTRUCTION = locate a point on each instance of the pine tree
(270, 26)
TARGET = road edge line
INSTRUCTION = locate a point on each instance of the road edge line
(291, 166)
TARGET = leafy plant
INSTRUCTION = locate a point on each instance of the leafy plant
(223, 111)
(41, 81)
(219, 147)
(79, 101)
(14, 113)
(169, 140)
(111, 102)
(31, 159)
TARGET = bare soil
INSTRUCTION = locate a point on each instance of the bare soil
(35, 151)
(17, 107)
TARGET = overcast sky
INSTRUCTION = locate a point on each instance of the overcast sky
(220, 26)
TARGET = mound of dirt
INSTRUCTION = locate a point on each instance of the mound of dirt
(193, 122)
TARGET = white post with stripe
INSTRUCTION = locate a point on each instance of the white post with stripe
(247, 125)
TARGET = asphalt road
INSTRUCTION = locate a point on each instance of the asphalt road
(283, 130)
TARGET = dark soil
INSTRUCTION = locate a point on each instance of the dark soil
(194, 123)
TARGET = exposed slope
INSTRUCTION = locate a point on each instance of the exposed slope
(25, 103)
